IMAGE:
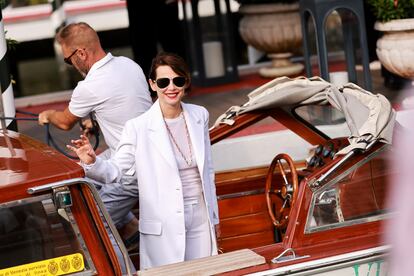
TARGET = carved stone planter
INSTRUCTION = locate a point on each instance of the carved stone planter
(395, 49)
(274, 29)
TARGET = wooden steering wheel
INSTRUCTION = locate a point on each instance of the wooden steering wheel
(286, 193)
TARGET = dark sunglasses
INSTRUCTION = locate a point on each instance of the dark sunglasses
(68, 60)
(177, 81)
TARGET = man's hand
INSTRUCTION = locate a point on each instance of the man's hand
(83, 149)
(61, 119)
(87, 127)
(44, 116)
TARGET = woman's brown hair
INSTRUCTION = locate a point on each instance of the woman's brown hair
(177, 64)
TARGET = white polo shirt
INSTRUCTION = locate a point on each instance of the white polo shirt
(115, 90)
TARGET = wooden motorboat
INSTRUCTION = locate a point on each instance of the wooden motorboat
(301, 187)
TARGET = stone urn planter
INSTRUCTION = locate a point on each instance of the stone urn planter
(276, 30)
(395, 49)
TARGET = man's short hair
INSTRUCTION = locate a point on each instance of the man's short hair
(78, 35)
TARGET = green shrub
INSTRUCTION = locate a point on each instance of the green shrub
(386, 10)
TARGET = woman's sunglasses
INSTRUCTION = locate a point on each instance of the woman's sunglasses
(164, 82)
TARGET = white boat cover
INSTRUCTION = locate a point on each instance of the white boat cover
(369, 116)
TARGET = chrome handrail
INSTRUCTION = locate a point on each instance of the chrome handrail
(323, 177)
(105, 214)
(279, 258)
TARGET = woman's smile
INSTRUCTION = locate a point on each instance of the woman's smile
(171, 95)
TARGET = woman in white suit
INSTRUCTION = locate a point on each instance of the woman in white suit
(169, 149)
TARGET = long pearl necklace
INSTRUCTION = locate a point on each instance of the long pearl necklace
(188, 160)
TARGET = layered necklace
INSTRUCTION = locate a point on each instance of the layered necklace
(188, 160)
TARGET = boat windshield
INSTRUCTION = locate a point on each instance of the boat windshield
(352, 196)
(36, 238)
(324, 119)
(257, 145)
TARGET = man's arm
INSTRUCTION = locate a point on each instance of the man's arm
(62, 119)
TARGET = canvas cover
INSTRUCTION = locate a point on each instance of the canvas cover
(369, 116)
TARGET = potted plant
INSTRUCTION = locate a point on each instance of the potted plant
(273, 27)
(395, 49)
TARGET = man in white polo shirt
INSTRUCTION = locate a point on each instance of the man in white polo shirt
(114, 90)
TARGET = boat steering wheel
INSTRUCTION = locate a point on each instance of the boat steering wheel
(281, 195)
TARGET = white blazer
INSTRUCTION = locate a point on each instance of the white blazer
(145, 148)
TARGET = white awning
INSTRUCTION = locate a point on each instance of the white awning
(369, 116)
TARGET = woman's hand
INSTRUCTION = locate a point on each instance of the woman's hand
(83, 149)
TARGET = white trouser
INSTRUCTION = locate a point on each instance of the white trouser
(198, 238)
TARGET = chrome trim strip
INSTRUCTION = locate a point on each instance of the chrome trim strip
(240, 194)
(349, 223)
(54, 185)
(326, 264)
(108, 220)
(18, 202)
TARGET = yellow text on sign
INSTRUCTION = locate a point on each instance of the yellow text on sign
(56, 266)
